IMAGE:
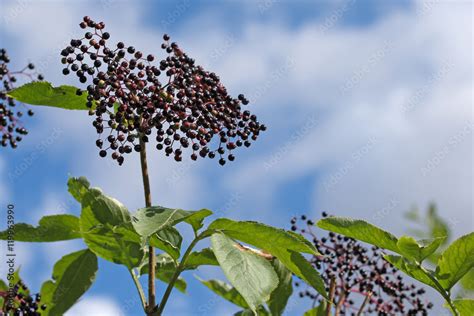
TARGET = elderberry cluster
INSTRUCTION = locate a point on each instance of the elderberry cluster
(360, 274)
(18, 302)
(130, 96)
(11, 127)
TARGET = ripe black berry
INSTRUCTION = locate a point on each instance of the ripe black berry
(187, 106)
(11, 125)
(20, 302)
(360, 271)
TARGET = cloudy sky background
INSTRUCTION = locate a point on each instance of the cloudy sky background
(368, 104)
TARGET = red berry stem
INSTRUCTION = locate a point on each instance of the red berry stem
(367, 298)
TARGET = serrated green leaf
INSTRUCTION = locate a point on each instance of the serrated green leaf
(169, 240)
(118, 244)
(418, 250)
(43, 93)
(252, 275)
(317, 311)
(279, 297)
(104, 209)
(265, 237)
(456, 261)
(50, 228)
(467, 281)
(73, 275)
(298, 264)
(165, 268)
(78, 187)
(464, 306)
(225, 291)
(107, 230)
(261, 311)
(413, 270)
(360, 230)
(196, 219)
(149, 220)
(278, 242)
(200, 258)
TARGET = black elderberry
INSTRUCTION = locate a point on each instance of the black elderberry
(21, 302)
(132, 96)
(11, 124)
(360, 271)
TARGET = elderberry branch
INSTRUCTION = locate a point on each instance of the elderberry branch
(359, 271)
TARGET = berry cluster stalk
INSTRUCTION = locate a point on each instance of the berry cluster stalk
(151, 251)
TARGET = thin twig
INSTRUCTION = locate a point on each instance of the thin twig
(342, 298)
(176, 274)
(151, 251)
(366, 300)
(332, 291)
(139, 288)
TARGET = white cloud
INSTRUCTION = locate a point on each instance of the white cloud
(386, 67)
(385, 80)
(95, 306)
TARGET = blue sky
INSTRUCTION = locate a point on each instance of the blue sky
(368, 104)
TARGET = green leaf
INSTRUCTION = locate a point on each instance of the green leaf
(200, 258)
(317, 311)
(464, 306)
(168, 240)
(279, 297)
(196, 219)
(149, 220)
(418, 251)
(456, 261)
(43, 93)
(73, 275)
(278, 242)
(14, 279)
(78, 187)
(226, 291)
(413, 270)
(413, 215)
(261, 311)
(3, 285)
(104, 209)
(360, 230)
(165, 268)
(268, 238)
(467, 281)
(298, 264)
(438, 227)
(50, 228)
(118, 244)
(252, 275)
(107, 230)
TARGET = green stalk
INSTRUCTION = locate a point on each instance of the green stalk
(440, 289)
(139, 289)
(176, 274)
